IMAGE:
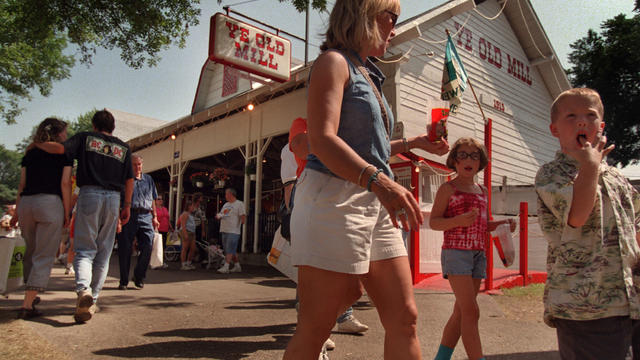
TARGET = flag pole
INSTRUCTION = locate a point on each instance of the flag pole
(484, 118)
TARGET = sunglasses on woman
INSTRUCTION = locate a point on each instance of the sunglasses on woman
(394, 17)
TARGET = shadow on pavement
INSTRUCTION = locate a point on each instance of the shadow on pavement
(226, 332)
(281, 283)
(227, 350)
(266, 304)
(536, 355)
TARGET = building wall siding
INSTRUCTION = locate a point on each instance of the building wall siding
(521, 138)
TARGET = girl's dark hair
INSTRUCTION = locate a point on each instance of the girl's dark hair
(484, 157)
(49, 130)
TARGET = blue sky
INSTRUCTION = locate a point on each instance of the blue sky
(166, 91)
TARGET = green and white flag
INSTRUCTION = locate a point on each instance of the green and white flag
(454, 78)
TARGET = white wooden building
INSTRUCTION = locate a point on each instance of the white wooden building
(509, 60)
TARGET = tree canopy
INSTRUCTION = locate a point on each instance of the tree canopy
(9, 174)
(301, 5)
(34, 35)
(610, 63)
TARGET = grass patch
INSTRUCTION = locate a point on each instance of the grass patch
(533, 290)
(522, 303)
(19, 342)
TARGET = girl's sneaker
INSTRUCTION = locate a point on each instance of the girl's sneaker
(236, 268)
(69, 270)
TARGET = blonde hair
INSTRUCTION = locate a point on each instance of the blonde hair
(352, 23)
(453, 154)
(586, 93)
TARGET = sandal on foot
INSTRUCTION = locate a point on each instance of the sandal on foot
(28, 313)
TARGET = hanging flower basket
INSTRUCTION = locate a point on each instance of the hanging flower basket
(250, 170)
(199, 179)
(219, 177)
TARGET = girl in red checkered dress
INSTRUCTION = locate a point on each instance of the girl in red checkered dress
(460, 210)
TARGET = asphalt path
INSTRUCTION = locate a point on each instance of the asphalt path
(251, 315)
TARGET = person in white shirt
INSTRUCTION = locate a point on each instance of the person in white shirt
(231, 216)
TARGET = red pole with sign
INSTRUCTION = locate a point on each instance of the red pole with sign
(488, 283)
(414, 243)
(524, 242)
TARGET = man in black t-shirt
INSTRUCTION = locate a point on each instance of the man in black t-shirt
(104, 170)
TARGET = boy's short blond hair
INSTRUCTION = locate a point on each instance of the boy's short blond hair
(484, 157)
(587, 93)
(352, 23)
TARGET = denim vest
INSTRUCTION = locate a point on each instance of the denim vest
(361, 124)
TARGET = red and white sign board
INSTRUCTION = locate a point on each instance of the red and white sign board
(248, 48)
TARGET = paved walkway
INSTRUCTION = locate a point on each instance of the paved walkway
(202, 314)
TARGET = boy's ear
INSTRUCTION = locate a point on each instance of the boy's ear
(602, 126)
(553, 129)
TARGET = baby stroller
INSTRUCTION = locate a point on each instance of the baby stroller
(173, 248)
(215, 255)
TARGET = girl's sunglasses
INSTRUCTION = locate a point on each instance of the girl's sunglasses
(461, 155)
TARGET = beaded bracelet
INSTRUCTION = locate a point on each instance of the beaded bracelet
(362, 172)
(372, 178)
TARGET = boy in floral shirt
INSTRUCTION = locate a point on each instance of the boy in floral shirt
(590, 215)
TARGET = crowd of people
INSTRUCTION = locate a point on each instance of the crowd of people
(346, 213)
(111, 199)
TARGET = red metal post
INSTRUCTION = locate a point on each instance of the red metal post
(487, 183)
(414, 235)
(524, 242)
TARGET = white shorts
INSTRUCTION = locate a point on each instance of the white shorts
(338, 226)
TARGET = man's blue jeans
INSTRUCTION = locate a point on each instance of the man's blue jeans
(94, 235)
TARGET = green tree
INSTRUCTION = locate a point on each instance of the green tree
(9, 174)
(35, 33)
(82, 123)
(301, 5)
(610, 63)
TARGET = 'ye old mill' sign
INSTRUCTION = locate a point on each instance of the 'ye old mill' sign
(248, 48)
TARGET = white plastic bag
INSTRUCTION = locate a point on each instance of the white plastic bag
(6, 254)
(156, 251)
(15, 275)
(280, 257)
(173, 238)
(503, 232)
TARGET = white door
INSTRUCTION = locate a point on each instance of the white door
(430, 240)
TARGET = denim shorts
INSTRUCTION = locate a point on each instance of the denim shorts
(230, 242)
(464, 262)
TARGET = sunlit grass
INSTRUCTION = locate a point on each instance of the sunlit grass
(533, 290)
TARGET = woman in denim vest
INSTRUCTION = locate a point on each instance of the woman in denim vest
(342, 234)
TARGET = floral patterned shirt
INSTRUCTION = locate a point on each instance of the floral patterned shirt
(593, 271)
